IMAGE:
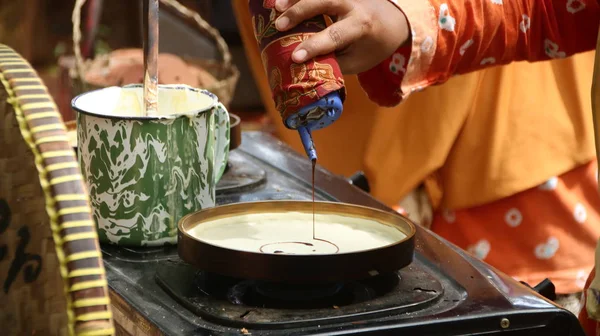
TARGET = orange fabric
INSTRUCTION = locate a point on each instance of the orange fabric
(507, 119)
(451, 37)
(545, 232)
(486, 135)
(496, 153)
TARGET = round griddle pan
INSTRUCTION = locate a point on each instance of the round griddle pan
(218, 253)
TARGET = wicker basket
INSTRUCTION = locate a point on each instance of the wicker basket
(223, 70)
(51, 268)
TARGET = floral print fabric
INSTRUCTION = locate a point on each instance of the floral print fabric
(549, 231)
(450, 37)
(294, 86)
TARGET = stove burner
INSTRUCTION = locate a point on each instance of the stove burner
(240, 175)
(284, 292)
(261, 305)
(272, 295)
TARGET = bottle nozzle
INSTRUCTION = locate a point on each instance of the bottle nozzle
(307, 142)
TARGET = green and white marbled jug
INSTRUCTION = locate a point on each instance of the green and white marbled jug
(144, 173)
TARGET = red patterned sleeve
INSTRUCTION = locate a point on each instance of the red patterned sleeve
(451, 37)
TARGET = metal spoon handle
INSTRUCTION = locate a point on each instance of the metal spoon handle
(150, 8)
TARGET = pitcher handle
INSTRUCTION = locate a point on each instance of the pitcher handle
(222, 141)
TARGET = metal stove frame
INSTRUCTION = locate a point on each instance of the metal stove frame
(485, 301)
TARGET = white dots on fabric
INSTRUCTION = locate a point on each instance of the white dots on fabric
(549, 185)
(446, 21)
(575, 6)
(465, 46)
(449, 216)
(580, 213)
(427, 44)
(552, 50)
(582, 277)
(397, 64)
(488, 60)
(547, 250)
(525, 24)
(513, 217)
(480, 250)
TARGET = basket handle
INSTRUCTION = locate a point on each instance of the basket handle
(204, 27)
(76, 19)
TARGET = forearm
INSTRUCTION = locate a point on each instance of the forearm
(460, 36)
(492, 32)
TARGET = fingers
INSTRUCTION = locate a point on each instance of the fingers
(337, 36)
(298, 11)
(282, 5)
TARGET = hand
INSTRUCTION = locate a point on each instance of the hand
(365, 33)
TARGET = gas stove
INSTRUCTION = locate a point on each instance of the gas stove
(444, 291)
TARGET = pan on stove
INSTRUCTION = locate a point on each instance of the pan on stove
(273, 241)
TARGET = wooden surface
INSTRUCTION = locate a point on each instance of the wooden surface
(129, 321)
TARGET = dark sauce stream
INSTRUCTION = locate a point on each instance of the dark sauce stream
(314, 164)
(314, 233)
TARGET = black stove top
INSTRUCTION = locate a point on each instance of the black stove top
(251, 304)
(443, 292)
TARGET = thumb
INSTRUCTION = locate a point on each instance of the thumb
(335, 37)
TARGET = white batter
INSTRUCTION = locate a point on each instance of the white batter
(128, 102)
(290, 233)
